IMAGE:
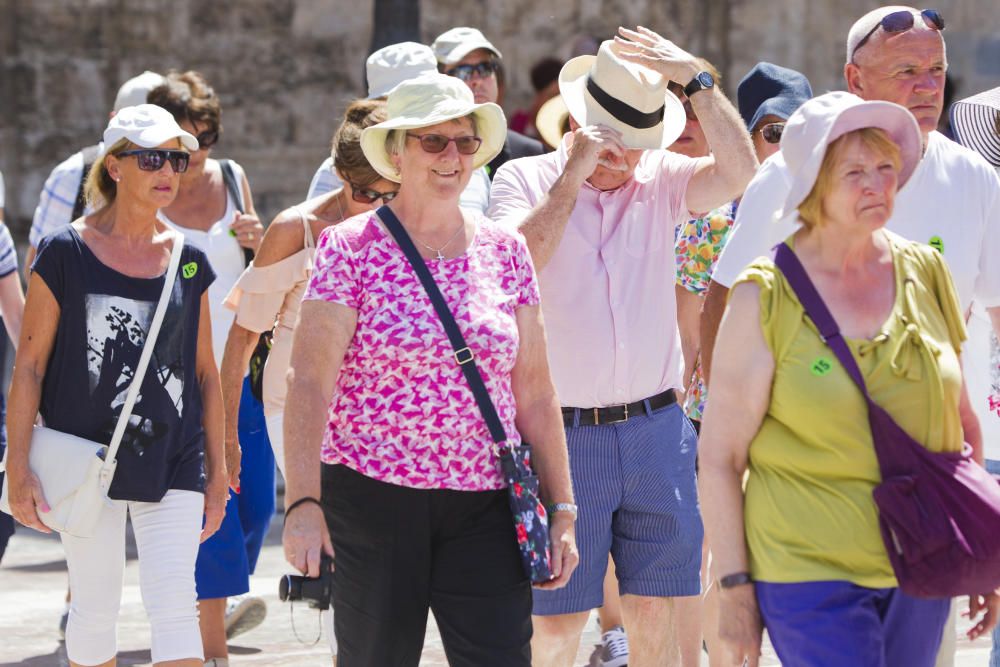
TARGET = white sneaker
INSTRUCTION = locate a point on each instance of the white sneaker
(244, 613)
(614, 648)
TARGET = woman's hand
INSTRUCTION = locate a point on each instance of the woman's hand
(305, 538)
(740, 627)
(248, 231)
(26, 499)
(988, 603)
(234, 456)
(565, 556)
(216, 497)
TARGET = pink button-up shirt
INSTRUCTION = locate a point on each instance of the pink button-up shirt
(608, 291)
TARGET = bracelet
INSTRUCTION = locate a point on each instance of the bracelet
(734, 580)
(569, 508)
(300, 501)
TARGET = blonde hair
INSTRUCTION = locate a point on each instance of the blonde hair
(100, 189)
(873, 138)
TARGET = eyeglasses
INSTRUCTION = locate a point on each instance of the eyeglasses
(468, 72)
(435, 143)
(207, 139)
(772, 132)
(902, 21)
(364, 195)
(153, 159)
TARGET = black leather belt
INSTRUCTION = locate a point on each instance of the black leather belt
(617, 413)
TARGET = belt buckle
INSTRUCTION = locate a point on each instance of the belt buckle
(623, 419)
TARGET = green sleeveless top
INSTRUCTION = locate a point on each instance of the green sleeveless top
(809, 513)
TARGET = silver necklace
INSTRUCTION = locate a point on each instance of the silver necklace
(454, 236)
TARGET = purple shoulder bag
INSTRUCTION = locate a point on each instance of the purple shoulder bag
(939, 513)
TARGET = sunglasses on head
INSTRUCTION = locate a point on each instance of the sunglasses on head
(468, 72)
(902, 21)
(207, 139)
(364, 195)
(436, 143)
(153, 159)
(772, 132)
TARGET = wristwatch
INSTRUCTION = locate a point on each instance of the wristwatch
(568, 508)
(734, 580)
(701, 81)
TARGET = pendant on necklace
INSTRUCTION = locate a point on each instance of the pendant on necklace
(439, 255)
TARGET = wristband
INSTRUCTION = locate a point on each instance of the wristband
(568, 508)
(300, 501)
(734, 580)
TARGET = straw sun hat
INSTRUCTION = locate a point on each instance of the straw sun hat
(428, 100)
(976, 122)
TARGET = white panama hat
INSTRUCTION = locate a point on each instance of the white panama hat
(428, 100)
(630, 98)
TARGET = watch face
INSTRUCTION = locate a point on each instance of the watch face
(705, 79)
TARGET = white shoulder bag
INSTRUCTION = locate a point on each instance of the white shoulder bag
(76, 473)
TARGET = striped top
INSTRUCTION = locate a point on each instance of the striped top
(8, 254)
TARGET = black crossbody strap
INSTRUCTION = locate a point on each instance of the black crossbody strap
(463, 355)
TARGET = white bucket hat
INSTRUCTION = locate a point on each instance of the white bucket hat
(976, 122)
(428, 100)
(817, 123)
(632, 99)
(392, 65)
(134, 91)
(453, 45)
(146, 125)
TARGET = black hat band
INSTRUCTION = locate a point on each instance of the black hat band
(622, 111)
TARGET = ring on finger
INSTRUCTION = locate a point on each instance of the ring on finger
(250, 235)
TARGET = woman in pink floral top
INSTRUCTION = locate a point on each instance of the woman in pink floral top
(415, 505)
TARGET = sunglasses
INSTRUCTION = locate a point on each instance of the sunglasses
(902, 21)
(435, 143)
(772, 132)
(153, 159)
(364, 195)
(207, 139)
(478, 71)
(678, 92)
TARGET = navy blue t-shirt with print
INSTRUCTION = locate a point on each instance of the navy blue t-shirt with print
(104, 317)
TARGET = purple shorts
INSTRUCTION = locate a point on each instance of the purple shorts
(837, 623)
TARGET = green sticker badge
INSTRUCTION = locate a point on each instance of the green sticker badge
(821, 366)
(189, 270)
(937, 244)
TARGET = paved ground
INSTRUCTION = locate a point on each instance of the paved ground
(33, 580)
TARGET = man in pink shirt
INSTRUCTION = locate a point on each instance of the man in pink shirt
(599, 216)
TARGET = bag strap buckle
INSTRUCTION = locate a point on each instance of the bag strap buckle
(464, 356)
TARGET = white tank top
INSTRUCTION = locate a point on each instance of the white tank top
(226, 257)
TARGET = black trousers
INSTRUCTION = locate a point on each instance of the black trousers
(401, 551)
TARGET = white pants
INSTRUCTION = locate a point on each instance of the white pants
(275, 433)
(166, 534)
(275, 426)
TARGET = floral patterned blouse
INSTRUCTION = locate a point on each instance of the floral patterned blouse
(698, 244)
(402, 411)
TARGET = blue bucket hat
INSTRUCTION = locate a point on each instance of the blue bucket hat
(771, 90)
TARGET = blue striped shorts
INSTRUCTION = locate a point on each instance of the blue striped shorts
(634, 483)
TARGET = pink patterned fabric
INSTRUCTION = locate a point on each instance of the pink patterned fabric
(402, 412)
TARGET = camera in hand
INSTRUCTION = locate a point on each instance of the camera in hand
(317, 591)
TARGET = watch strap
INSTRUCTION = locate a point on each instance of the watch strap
(695, 85)
(734, 580)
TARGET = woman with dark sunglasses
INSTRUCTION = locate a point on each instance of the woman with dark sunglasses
(94, 287)
(219, 218)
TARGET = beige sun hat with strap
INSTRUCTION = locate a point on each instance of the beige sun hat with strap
(428, 100)
(630, 98)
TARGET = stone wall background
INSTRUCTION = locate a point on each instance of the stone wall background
(285, 69)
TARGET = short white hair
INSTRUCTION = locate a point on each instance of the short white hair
(867, 23)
